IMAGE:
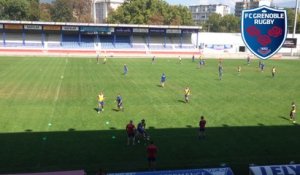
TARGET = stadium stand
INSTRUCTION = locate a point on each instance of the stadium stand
(123, 42)
(87, 41)
(139, 41)
(52, 40)
(106, 42)
(70, 40)
(70, 37)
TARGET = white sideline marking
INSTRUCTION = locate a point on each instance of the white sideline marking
(57, 94)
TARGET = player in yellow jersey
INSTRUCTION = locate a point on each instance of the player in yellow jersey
(293, 113)
(239, 69)
(104, 60)
(100, 102)
(273, 71)
(187, 93)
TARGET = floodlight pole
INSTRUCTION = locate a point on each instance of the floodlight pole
(295, 24)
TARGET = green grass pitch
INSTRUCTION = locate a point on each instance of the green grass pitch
(49, 122)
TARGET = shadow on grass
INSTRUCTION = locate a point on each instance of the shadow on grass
(179, 148)
(116, 110)
(284, 118)
(181, 101)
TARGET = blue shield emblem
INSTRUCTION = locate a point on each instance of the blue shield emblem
(264, 30)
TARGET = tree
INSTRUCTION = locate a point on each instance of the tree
(14, 9)
(62, 11)
(213, 23)
(82, 10)
(184, 15)
(150, 12)
(45, 12)
(230, 23)
(3, 5)
(227, 23)
(34, 11)
(291, 19)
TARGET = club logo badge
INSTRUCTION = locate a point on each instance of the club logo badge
(264, 30)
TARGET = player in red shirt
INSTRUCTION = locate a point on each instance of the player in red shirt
(151, 155)
(130, 129)
(202, 124)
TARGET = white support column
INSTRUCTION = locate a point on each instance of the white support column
(295, 24)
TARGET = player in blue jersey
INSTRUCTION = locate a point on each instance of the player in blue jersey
(119, 101)
(163, 80)
(141, 131)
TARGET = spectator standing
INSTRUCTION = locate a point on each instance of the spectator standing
(151, 155)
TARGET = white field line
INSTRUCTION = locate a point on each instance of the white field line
(57, 94)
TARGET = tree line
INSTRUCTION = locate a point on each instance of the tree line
(155, 12)
(57, 11)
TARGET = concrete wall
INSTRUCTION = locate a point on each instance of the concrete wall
(220, 43)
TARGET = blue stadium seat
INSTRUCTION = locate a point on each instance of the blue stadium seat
(70, 41)
(70, 44)
(160, 47)
(54, 45)
(138, 46)
(190, 46)
(87, 41)
(27, 44)
(123, 42)
(13, 44)
(107, 42)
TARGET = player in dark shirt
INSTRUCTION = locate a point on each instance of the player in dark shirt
(151, 155)
(130, 129)
(220, 69)
(262, 66)
(248, 59)
(125, 69)
(202, 124)
(153, 59)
